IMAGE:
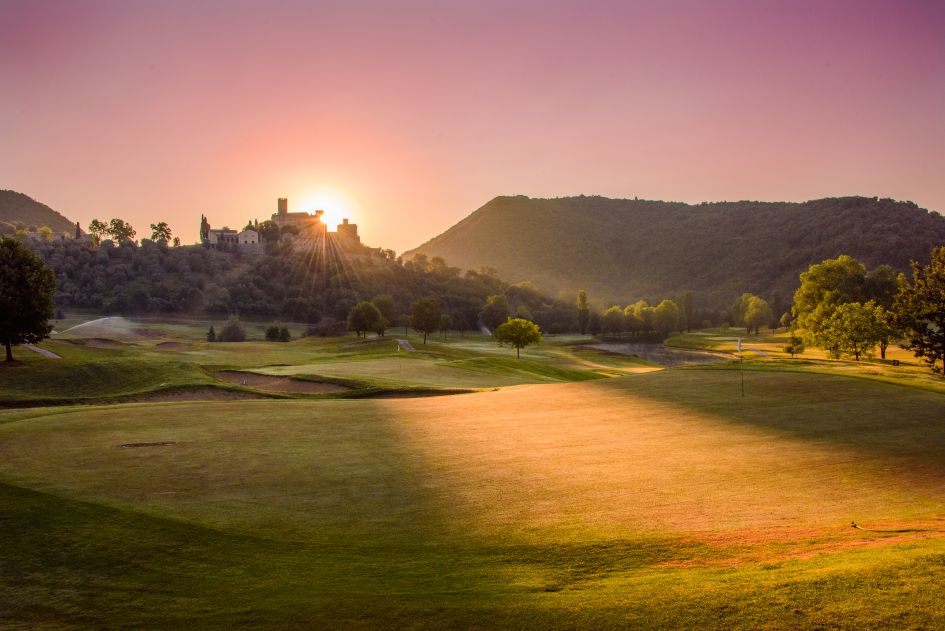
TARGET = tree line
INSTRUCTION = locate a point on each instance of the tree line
(850, 311)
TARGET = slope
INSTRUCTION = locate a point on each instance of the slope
(622, 249)
(19, 207)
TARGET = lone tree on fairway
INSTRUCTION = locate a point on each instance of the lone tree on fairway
(795, 346)
(425, 316)
(363, 317)
(519, 333)
(26, 296)
(921, 310)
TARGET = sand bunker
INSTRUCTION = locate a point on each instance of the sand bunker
(278, 384)
(206, 393)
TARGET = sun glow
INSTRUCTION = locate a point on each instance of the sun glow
(336, 204)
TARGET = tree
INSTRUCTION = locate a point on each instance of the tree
(363, 317)
(211, 335)
(583, 312)
(887, 326)
(520, 333)
(425, 316)
(757, 312)
(160, 232)
(272, 332)
(920, 307)
(612, 321)
(121, 230)
(795, 345)
(284, 335)
(233, 331)
(445, 323)
(851, 331)
(385, 305)
(45, 232)
(176, 242)
(824, 286)
(26, 296)
(98, 230)
(644, 313)
(495, 312)
(666, 317)
(630, 320)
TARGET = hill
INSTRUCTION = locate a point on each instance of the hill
(19, 207)
(624, 249)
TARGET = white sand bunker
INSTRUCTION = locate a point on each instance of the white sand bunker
(278, 384)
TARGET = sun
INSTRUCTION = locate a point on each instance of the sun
(336, 204)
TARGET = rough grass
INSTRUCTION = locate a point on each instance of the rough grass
(657, 500)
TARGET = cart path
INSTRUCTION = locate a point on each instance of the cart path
(42, 351)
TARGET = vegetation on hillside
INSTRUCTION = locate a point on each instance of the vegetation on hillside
(298, 286)
(621, 250)
(22, 211)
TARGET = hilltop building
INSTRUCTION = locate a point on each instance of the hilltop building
(298, 227)
(305, 224)
(216, 237)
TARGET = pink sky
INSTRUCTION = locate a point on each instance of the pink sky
(416, 113)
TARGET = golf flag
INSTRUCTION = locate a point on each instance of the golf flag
(739, 344)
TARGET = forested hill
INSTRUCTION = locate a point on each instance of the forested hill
(621, 250)
(17, 207)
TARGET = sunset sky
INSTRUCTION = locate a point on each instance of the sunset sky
(406, 116)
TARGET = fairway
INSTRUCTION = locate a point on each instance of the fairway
(539, 506)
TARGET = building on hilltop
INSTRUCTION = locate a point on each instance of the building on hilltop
(300, 228)
(217, 237)
(304, 224)
(348, 231)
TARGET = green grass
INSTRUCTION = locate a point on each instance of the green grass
(657, 500)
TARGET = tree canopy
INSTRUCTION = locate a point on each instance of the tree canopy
(26, 296)
(425, 316)
(363, 317)
(921, 310)
(852, 330)
(519, 333)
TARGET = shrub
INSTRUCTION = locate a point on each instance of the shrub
(233, 331)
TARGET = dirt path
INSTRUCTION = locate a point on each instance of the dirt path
(42, 351)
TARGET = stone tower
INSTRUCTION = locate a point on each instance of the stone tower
(283, 205)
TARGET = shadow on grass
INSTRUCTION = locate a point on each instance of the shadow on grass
(867, 416)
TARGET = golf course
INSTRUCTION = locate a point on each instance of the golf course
(152, 479)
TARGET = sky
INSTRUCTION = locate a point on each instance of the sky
(406, 116)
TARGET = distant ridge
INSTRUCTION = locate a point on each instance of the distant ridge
(621, 250)
(19, 207)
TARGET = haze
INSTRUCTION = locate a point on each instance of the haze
(415, 113)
